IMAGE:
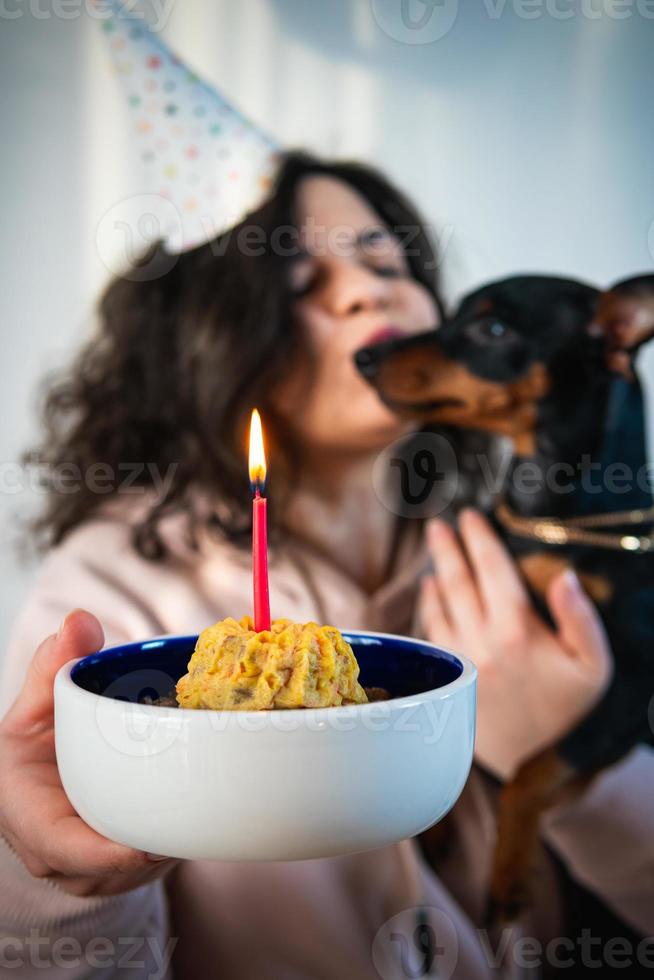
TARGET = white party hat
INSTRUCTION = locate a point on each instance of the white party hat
(201, 155)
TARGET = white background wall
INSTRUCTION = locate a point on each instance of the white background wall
(524, 133)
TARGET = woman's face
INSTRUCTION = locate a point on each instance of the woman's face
(352, 287)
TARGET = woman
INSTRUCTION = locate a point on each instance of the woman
(180, 360)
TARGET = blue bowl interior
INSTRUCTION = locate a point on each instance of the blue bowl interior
(152, 668)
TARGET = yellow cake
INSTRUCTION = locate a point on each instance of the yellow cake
(292, 665)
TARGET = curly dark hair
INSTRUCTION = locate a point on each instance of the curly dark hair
(186, 346)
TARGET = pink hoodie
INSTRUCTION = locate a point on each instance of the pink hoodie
(349, 918)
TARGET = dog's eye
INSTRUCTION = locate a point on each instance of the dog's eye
(488, 330)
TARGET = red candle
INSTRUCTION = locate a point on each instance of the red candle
(259, 526)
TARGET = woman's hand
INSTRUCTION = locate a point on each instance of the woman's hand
(36, 816)
(535, 684)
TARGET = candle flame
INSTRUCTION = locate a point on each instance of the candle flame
(257, 461)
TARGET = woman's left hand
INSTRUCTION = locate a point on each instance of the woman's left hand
(535, 683)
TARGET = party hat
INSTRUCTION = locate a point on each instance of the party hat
(201, 156)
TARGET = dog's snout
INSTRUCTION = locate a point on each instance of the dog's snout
(367, 361)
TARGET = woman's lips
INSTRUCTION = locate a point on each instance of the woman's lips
(382, 335)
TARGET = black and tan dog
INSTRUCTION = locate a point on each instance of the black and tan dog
(549, 363)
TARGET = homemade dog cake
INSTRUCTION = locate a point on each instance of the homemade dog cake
(292, 665)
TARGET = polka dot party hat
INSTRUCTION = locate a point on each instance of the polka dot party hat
(207, 163)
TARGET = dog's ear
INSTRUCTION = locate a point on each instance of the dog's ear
(625, 318)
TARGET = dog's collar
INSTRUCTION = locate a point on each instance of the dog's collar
(579, 530)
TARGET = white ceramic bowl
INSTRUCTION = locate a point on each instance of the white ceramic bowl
(269, 785)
